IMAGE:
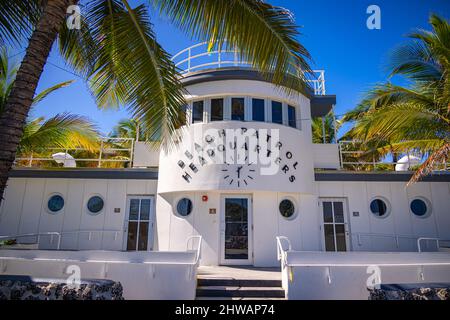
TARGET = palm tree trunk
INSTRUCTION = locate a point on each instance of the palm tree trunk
(16, 110)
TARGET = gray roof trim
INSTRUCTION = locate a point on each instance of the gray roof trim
(322, 105)
(229, 73)
(134, 174)
(378, 176)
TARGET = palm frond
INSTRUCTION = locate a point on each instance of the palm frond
(264, 34)
(400, 121)
(8, 70)
(424, 146)
(17, 19)
(439, 157)
(130, 68)
(61, 131)
(43, 94)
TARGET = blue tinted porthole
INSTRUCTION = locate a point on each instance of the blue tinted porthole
(379, 208)
(184, 207)
(55, 203)
(95, 205)
(420, 208)
(287, 208)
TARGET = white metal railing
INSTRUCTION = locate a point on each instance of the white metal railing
(437, 241)
(198, 57)
(289, 265)
(59, 236)
(108, 146)
(280, 247)
(37, 235)
(348, 157)
(197, 249)
(397, 238)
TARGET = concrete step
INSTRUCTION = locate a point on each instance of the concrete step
(203, 282)
(243, 292)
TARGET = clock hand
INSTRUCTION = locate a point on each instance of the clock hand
(239, 171)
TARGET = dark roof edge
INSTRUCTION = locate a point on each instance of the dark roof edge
(377, 176)
(228, 73)
(134, 174)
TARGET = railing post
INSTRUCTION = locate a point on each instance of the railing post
(31, 159)
(219, 57)
(235, 57)
(189, 60)
(100, 155)
(409, 160)
(131, 153)
(323, 130)
(322, 75)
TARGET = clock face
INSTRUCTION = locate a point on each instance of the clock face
(239, 175)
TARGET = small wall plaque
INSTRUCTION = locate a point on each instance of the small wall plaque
(356, 213)
(116, 210)
(212, 210)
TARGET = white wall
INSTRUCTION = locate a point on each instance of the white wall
(145, 155)
(267, 175)
(267, 222)
(401, 221)
(326, 155)
(24, 210)
(325, 275)
(143, 275)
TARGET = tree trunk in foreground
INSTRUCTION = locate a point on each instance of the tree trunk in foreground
(18, 105)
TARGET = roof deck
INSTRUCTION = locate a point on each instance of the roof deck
(198, 59)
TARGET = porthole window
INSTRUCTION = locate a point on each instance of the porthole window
(379, 208)
(95, 205)
(287, 208)
(420, 207)
(55, 203)
(184, 207)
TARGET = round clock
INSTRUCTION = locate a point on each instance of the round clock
(239, 175)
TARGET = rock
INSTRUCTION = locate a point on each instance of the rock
(53, 290)
(409, 293)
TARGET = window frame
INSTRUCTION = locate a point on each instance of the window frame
(211, 108)
(48, 200)
(193, 111)
(272, 111)
(294, 214)
(388, 207)
(175, 207)
(91, 213)
(427, 204)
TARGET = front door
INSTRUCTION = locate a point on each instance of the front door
(236, 227)
(139, 223)
(334, 225)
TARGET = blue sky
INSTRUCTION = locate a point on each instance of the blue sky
(334, 32)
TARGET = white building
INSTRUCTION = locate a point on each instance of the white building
(237, 205)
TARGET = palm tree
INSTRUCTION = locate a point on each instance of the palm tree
(117, 51)
(318, 126)
(128, 128)
(416, 117)
(64, 131)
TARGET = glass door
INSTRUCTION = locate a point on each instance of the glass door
(236, 230)
(334, 225)
(139, 223)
